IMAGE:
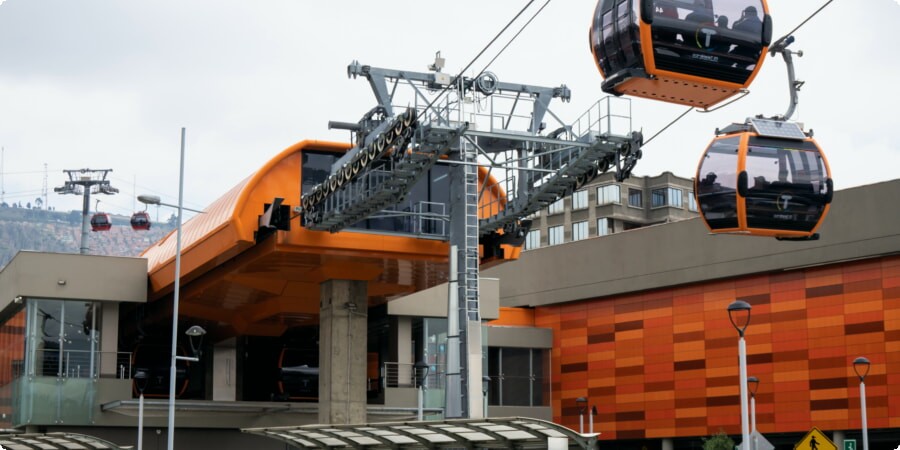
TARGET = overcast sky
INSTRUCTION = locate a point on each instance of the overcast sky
(106, 84)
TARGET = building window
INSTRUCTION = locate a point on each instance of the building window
(555, 207)
(608, 194)
(579, 230)
(666, 197)
(604, 227)
(517, 376)
(635, 198)
(533, 240)
(692, 202)
(580, 200)
(556, 235)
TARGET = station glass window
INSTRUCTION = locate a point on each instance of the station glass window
(518, 376)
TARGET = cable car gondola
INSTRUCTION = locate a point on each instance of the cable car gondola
(764, 178)
(101, 222)
(140, 221)
(690, 52)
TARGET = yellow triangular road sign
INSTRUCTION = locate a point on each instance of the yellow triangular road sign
(815, 440)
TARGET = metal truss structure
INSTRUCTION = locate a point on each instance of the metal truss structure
(468, 123)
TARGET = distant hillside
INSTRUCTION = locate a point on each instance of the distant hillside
(55, 231)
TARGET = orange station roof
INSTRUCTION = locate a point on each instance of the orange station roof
(264, 288)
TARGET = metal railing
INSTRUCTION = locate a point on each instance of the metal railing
(403, 375)
(76, 364)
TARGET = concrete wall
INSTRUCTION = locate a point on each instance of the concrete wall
(863, 222)
(66, 276)
(433, 302)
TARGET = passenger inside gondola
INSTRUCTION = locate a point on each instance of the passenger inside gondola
(750, 24)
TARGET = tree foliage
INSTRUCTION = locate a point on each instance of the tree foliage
(718, 441)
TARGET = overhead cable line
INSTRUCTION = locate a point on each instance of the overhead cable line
(483, 50)
(669, 125)
(779, 40)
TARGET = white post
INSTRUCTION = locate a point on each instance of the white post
(140, 443)
(581, 421)
(421, 402)
(745, 422)
(591, 421)
(862, 407)
(753, 418)
(177, 286)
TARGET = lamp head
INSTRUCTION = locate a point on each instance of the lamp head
(861, 367)
(149, 199)
(739, 314)
(753, 385)
(195, 331)
(141, 377)
(581, 401)
(421, 372)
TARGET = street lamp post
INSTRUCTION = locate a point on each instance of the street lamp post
(861, 367)
(176, 291)
(485, 386)
(582, 402)
(739, 314)
(421, 370)
(753, 385)
(140, 382)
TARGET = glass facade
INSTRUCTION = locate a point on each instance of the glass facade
(61, 363)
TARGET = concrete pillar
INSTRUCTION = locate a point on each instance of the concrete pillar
(342, 352)
(225, 370)
(838, 438)
(668, 444)
(109, 340)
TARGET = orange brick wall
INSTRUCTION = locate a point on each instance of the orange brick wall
(664, 363)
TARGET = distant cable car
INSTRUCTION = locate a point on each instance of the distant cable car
(140, 221)
(764, 178)
(691, 52)
(101, 222)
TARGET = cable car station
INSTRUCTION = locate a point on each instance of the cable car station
(374, 293)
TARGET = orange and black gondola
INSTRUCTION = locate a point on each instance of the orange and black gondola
(101, 222)
(140, 221)
(764, 178)
(690, 52)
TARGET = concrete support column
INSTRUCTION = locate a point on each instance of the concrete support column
(109, 340)
(225, 370)
(838, 438)
(342, 351)
(668, 444)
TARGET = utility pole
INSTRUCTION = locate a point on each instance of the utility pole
(85, 182)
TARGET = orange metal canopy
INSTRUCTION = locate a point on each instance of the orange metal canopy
(264, 288)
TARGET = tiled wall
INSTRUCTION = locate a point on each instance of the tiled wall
(664, 363)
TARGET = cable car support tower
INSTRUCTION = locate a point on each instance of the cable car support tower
(467, 123)
(86, 182)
